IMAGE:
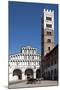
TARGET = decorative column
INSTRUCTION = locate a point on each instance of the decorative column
(34, 74)
(23, 76)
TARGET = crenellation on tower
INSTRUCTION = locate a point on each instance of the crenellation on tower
(48, 11)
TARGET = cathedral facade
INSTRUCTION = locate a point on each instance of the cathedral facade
(24, 64)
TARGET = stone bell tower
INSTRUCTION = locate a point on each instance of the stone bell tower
(47, 38)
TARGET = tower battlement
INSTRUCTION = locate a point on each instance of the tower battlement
(48, 10)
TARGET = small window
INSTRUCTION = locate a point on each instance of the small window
(49, 48)
(48, 33)
(49, 25)
(49, 40)
(49, 18)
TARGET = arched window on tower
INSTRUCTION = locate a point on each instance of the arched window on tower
(49, 48)
(48, 40)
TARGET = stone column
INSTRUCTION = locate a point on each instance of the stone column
(34, 74)
(23, 76)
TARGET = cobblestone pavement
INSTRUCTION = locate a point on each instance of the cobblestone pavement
(24, 84)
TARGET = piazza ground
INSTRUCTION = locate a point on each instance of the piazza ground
(23, 84)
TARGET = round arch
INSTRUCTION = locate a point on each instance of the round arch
(17, 72)
(38, 73)
(29, 73)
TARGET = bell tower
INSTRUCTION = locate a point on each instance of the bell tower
(47, 38)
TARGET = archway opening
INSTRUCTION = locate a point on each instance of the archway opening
(29, 73)
(38, 73)
(17, 72)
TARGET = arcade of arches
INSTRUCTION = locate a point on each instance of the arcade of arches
(29, 73)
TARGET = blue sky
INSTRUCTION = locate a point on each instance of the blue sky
(25, 25)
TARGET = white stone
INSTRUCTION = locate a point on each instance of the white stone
(24, 63)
